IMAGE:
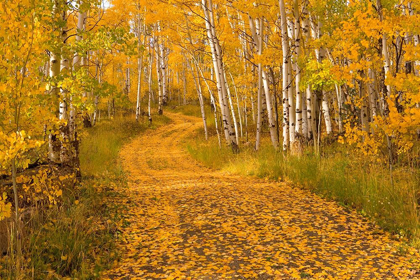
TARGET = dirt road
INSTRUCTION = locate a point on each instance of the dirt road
(188, 222)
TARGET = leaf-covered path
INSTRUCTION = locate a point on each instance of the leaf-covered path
(189, 222)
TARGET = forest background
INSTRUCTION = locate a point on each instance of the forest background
(322, 94)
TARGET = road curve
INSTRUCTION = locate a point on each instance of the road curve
(186, 221)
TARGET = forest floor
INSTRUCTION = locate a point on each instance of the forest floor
(185, 221)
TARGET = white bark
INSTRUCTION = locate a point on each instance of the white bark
(196, 80)
(139, 68)
(232, 109)
(285, 74)
(299, 118)
(238, 104)
(159, 75)
(310, 113)
(326, 112)
(149, 102)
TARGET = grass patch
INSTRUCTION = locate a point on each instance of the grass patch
(339, 174)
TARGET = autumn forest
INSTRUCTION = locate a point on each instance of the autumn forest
(210, 139)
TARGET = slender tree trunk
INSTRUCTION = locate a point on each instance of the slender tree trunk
(285, 75)
(232, 109)
(139, 68)
(159, 76)
(238, 104)
(149, 103)
(326, 112)
(196, 80)
(18, 228)
(340, 107)
(299, 107)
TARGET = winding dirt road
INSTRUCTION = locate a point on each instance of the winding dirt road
(186, 221)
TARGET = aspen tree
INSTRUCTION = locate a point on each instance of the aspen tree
(139, 60)
(285, 75)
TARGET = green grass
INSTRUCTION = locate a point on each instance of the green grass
(76, 238)
(339, 174)
(100, 148)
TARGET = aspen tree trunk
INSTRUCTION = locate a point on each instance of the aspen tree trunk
(232, 109)
(326, 112)
(63, 115)
(252, 108)
(238, 104)
(385, 53)
(18, 228)
(163, 72)
(285, 75)
(372, 94)
(246, 117)
(159, 76)
(54, 144)
(140, 68)
(363, 111)
(271, 121)
(207, 6)
(276, 112)
(307, 96)
(340, 107)
(299, 118)
(77, 62)
(309, 113)
(65, 152)
(128, 79)
(138, 103)
(96, 102)
(196, 80)
(416, 40)
(292, 108)
(149, 102)
(259, 108)
(184, 79)
(258, 47)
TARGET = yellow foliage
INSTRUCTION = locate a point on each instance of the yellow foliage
(5, 207)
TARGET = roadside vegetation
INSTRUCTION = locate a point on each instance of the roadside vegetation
(336, 172)
(75, 236)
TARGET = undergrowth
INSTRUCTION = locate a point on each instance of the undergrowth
(338, 173)
(75, 238)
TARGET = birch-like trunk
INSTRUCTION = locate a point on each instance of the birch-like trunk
(339, 94)
(326, 112)
(139, 68)
(310, 111)
(372, 94)
(159, 75)
(299, 118)
(163, 73)
(196, 79)
(238, 104)
(128, 78)
(285, 75)
(232, 109)
(149, 102)
(184, 80)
